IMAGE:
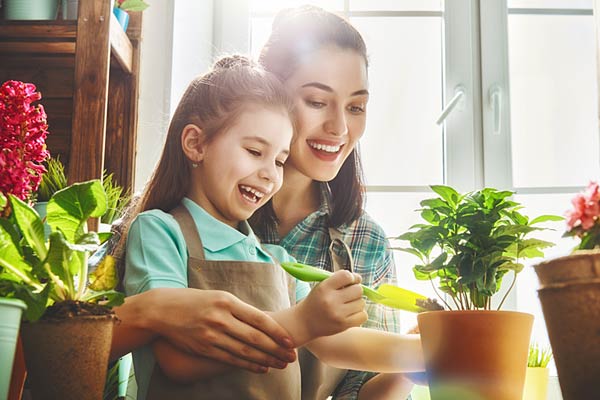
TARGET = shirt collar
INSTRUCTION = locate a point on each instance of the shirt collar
(215, 234)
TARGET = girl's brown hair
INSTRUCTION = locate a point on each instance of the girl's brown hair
(296, 34)
(213, 102)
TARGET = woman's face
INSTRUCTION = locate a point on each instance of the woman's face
(331, 92)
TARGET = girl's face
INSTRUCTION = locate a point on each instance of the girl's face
(242, 167)
(331, 92)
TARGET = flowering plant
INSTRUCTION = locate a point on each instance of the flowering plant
(131, 5)
(23, 131)
(583, 220)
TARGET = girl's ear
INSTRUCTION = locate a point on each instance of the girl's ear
(193, 143)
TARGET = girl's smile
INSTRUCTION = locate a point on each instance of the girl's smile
(241, 168)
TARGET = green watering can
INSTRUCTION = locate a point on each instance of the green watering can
(388, 295)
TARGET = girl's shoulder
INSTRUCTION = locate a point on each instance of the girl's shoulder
(278, 252)
(155, 219)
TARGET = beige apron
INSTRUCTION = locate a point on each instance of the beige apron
(319, 380)
(263, 285)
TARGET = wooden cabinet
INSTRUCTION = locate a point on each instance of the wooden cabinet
(87, 71)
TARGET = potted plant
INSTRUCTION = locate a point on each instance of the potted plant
(22, 133)
(68, 322)
(570, 297)
(117, 201)
(468, 243)
(53, 180)
(536, 378)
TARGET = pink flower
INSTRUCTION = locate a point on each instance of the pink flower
(23, 131)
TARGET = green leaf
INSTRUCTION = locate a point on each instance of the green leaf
(109, 298)
(62, 263)
(544, 218)
(105, 276)
(70, 208)
(11, 258)
(410, 251)
(3, 201)
(37, 302)
(447, 193)
(133, 5)
(30, 225)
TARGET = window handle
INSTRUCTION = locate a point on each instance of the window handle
(495, 97)
(459, 93)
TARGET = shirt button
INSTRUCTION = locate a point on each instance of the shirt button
(252, 251)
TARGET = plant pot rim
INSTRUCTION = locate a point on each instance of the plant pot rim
(74, 319)
(573, 256)
(13, 302)
(472, 312)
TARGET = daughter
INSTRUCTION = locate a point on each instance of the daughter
(223, 159)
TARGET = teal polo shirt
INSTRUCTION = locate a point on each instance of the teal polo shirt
(157, 257)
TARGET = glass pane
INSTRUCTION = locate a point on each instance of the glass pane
(272, 6)
(260, 30)
(396, 213)
(572, 4)
(397, 5)
(554, 100)
(527, 281)
(402, 144)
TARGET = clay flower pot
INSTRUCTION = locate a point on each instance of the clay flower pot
(68, 359)
(475, 355)
(570, 296)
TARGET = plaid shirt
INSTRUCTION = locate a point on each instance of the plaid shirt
(309, 242)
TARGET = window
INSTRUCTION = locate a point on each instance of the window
(527, 119)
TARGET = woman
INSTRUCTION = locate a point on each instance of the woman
(322, 61)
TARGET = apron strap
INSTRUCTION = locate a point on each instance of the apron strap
(341, 255)
(190, 231)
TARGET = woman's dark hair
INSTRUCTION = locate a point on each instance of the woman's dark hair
(296, 34)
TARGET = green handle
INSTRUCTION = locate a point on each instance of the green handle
(388, 295)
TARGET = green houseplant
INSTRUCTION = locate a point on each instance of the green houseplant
(117, 199)
(468, 243)
(69, 322)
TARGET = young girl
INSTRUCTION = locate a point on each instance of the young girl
(223, 158)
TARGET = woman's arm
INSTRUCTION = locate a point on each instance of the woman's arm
(332, 306)
(207, 323)
(370, 350)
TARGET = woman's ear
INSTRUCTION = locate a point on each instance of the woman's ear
(193, 143)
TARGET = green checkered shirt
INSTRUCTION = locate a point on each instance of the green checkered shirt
(309, 242)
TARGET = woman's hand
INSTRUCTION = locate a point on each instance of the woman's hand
(334, 305)
(207, 323)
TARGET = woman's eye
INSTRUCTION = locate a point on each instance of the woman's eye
(315, 104)
(279, 163)
(357, 109)
(254, 152)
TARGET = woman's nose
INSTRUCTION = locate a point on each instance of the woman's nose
(336, 124)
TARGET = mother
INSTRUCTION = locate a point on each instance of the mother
(322, 59)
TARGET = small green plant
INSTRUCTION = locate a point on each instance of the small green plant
(53, 180)
(117, 200)
(539, 357)
(470, 241)
(45, 272)
(132, 5)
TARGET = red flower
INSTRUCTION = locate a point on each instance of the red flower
(23, 131)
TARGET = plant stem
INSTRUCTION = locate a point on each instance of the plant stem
(509, 289)
(21, 275)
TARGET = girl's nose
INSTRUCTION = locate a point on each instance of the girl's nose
(268, 172)
(336, 124)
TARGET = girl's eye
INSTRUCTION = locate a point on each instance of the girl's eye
(254, 152)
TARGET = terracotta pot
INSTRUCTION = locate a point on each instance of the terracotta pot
(68, 359)
(475, 355)
(570, 296)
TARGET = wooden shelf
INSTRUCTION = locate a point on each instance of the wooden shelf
(75, 64)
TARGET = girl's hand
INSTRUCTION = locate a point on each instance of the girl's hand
(333, 306)
(210, 323)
